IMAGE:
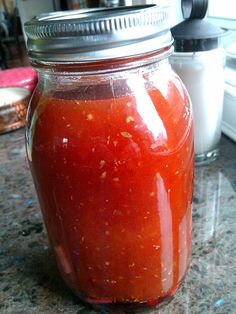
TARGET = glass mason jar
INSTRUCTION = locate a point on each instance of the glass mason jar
(203, 75)
(199, 61)
(110, 146)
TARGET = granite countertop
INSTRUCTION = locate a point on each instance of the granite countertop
(30, 283)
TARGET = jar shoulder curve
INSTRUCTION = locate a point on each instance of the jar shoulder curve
(154, 106)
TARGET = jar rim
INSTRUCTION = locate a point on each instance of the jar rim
(99, 34)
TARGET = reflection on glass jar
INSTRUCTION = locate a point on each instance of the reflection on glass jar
(206, 203)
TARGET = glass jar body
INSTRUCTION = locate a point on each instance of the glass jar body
(112, 160)
(203, 75)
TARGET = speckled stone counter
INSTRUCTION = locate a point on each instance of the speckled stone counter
(30, 283)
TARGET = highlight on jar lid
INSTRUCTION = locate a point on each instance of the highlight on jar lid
(101, 33)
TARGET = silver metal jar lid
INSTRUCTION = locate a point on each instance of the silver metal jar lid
(99, 34)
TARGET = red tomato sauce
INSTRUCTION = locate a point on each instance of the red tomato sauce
(114, 179)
